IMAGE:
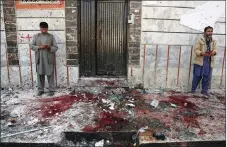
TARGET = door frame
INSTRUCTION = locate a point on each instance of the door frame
(126, 27)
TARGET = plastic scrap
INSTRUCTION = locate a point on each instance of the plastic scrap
(141, 130)
(130, 101)
(100, 143)
(10, 89)
(154, 103)
(159, 136)
(111, 106)
(131, 105)
(105, 101)
(173, 105)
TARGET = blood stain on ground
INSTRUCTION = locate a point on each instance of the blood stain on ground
(187, 110)
(180, 100)
(190, 121)
(201, 132)
(56, 105)
(108, 122)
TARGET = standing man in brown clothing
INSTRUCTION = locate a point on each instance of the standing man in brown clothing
(205, 50)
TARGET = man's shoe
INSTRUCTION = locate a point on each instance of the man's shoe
(51, 93)
(40, 93)
(205, 93)
(192, 92)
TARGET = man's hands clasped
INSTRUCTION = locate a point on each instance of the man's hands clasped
(47, 47)
(211, 53)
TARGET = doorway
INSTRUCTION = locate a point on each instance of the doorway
(102, 36)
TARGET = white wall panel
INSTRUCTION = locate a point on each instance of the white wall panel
(33, 24)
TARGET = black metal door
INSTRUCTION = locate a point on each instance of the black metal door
(87, 37)
(103, 37)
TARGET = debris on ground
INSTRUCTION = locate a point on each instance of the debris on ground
(174, 105)
(141, 130)
(154, 103)
(111, 106)
(159, 136)
(100, 143)
(97, 109)
(130, 105)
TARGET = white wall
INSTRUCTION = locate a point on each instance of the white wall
(28, 24)
(4, 73)
(160, 26)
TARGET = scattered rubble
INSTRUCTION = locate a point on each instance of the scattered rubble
(98, 109)
(173, 105)
(154, 103)
(130, 105)
(159, 136)
(100, 143)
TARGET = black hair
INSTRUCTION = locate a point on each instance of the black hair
(43, 25)
(208, 27)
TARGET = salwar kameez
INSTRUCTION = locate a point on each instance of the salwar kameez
(203, 73)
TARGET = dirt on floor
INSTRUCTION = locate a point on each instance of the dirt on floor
(179, 116)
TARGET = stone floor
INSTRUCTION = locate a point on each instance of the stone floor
(179, 116)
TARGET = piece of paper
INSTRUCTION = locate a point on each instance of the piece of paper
(204, 15)
(154, 103)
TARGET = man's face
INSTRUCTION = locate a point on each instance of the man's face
(43, 30)
(209, 32)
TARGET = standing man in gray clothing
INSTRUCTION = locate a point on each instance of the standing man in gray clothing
(44, 45)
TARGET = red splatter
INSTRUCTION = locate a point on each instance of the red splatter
(134, 93)
(28, 37)
(108, 121)
(141, 111)
(190, 121)
(52, 106)
(187, 110)
(109, 83)
(201, 132)
(181, 101)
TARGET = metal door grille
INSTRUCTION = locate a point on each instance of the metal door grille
(87, 37)
(103, 38)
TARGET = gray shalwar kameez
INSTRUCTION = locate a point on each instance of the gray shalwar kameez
(44, 59)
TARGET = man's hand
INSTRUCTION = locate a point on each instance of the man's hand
(42, 47)
(47, 47)
(212, 53)
(204, 54)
